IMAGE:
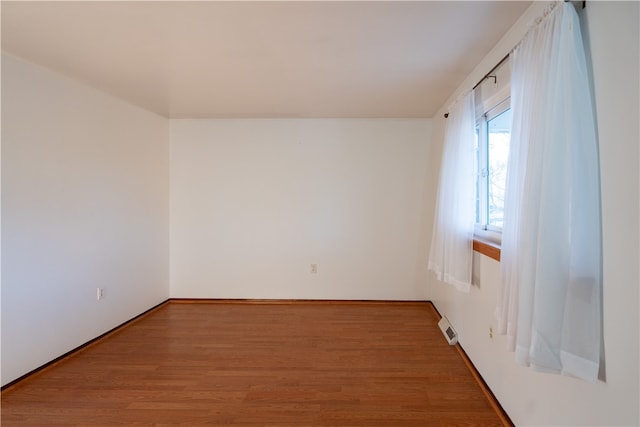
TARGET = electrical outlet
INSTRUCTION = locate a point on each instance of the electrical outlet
(100, 293)
(490, 332)
(314, 268)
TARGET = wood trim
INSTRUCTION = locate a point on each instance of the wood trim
(293, 301)
(506, 421)
(81, 347)
(488, 248)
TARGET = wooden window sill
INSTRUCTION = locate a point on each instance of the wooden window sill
(487, 247)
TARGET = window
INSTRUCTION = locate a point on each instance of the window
(493, 133)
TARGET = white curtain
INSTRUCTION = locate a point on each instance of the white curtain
(452, 239)
(551, 287)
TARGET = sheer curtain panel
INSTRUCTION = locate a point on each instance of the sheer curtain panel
(551, 287)
(451, 251)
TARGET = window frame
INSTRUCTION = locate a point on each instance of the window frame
(490, 109)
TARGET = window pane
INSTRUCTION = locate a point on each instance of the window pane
(498, 135)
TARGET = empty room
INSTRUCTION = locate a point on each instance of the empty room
(320, 213)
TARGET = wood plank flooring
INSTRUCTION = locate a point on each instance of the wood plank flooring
(303, 364)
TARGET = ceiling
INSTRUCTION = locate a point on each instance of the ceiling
(218, 59)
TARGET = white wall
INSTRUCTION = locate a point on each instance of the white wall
(85, 204)
(255, 202)
(611, 29)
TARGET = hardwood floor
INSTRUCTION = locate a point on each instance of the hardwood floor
(300, 364)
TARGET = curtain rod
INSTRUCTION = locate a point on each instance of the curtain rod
(486, 76)
(584, 2)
